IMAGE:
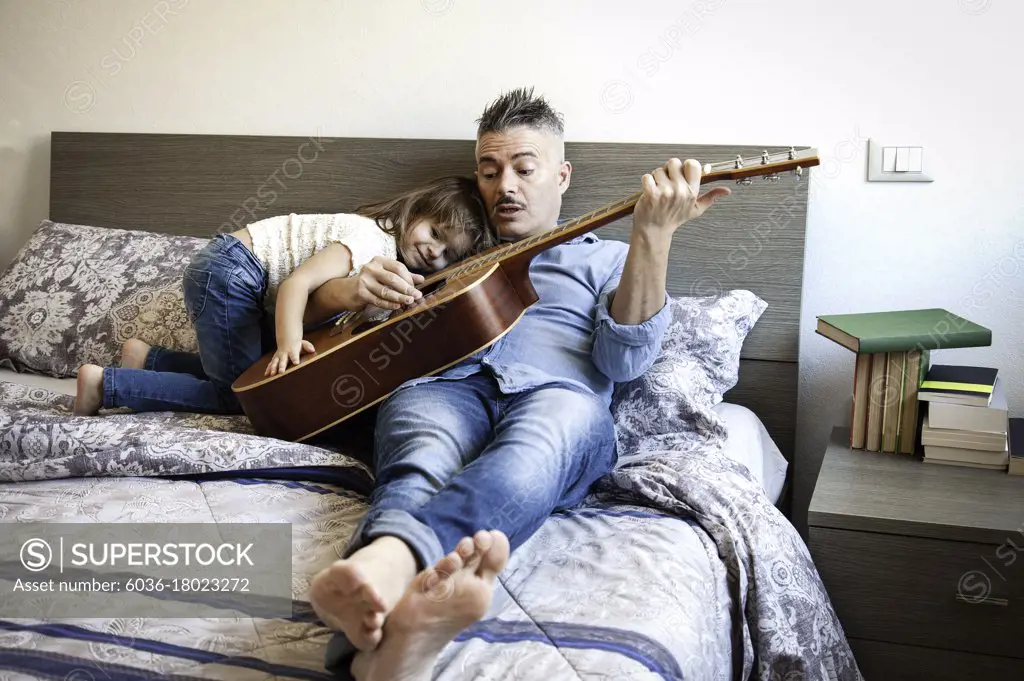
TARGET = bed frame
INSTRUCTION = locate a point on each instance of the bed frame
(201, 184)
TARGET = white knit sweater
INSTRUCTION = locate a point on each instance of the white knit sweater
(284, 242)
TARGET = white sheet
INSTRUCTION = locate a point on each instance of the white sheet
(65, 386)
(750, 443)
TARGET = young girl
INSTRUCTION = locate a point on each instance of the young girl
(243, 289)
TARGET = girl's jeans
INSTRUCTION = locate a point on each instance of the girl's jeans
(224, 287)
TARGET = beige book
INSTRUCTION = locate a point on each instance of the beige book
(966, 439)
(859, 417)
(965, 464)
(876, 402)
(966, 455)
(894, 377)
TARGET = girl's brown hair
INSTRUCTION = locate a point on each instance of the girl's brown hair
(454, 203)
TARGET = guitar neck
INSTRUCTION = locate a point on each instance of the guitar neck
(768, 164)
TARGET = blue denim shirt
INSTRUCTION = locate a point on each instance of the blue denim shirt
(568, 337)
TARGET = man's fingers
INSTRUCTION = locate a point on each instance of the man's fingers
(308, 347)
(708, 198)
(660, 177)
(674, 170)
(647, 181)
(395, 282)
(691, 174)
(399, 269)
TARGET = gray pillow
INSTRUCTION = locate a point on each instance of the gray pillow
(698, 363)
(75, 293)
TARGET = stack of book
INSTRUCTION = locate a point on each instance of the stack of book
(893, 355)
(967, 419)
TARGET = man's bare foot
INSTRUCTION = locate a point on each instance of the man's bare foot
(356, 594)
(134, 353)
(89, 394)
(440, 603)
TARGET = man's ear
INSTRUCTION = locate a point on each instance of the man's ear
(564, 173)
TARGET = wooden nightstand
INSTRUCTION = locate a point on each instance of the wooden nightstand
(924, 564)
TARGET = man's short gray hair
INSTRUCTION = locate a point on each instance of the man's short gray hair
(519, 108)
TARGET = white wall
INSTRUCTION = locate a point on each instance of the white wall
(937, 73)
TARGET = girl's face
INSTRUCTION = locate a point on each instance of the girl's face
(426, 249)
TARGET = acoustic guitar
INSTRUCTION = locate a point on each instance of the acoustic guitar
(363, 357)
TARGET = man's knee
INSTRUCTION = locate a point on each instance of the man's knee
(576, 414)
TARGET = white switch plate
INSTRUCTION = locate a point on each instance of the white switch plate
(905, 158)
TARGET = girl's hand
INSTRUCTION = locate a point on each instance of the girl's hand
(287, 352)
(387, 284)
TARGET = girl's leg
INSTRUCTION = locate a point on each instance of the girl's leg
(138, 354)
(224, 288)
(162, 359)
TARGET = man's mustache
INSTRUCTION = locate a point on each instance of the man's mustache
(507, 202)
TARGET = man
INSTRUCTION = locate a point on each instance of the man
(471, 462)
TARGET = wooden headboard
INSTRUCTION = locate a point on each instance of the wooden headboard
(201, 184)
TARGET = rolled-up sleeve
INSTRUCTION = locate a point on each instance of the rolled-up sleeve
(623, 352)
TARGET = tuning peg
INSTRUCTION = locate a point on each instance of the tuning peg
(739, 161)
(745, 181)
(764, 157)
(792, 153)
(771, 177)
(707, 169)
(799, 172)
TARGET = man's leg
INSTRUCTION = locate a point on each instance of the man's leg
(549, 446)
(424, 436)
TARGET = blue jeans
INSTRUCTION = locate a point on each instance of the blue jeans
(455, 457)
(224, 286)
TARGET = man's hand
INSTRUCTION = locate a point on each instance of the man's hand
(387, 284)
(671, 198)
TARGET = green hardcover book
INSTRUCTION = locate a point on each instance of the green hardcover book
(901, 330)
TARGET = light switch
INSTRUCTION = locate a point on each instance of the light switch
(914, 160)
(902, 159)
(895, 164)
(888, 159)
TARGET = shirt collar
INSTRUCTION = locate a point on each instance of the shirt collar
(587, 238)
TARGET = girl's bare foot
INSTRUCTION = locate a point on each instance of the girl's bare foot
(89, 395)
(356, 594)
(440, 603)
(134, 353)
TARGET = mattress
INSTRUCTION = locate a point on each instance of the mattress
(677, 566)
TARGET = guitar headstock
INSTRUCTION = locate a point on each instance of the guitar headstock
(770, 165)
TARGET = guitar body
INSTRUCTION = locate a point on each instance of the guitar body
(465, 308)
(359, 363)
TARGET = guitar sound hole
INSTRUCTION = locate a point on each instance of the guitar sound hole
(427, 290)
(366, 326)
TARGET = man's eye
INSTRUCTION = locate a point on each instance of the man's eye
(525, 171)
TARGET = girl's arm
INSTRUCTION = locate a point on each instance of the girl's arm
(331, 262)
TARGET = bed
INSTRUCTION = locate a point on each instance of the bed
(680, 565)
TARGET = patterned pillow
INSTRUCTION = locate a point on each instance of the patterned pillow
(698, 363)
(75, 294)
